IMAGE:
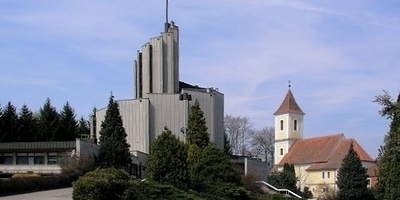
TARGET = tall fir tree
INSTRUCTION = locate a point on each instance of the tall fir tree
(48, 122)
(9, 120)
(352, 178)
(197, 129)
(68, 126)
(388, 161)
(83, 126)
(27, 125)
(114, 149)
(227, 145)
(167, 163)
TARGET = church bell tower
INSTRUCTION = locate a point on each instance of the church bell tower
(288, 125)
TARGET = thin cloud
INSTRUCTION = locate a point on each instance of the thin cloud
(339, 55)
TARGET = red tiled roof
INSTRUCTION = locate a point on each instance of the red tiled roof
(312, 150)
(289, 105)
(326, 152)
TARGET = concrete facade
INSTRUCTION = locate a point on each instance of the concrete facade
(157, 64)
(250, 166)
(157, 101)
(145, 119)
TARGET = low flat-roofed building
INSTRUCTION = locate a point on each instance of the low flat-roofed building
(40, 157)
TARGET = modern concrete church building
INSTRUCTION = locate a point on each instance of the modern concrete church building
(161, 99)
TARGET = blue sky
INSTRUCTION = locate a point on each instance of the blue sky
(338, 55)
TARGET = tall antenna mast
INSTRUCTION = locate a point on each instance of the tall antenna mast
(166, 15)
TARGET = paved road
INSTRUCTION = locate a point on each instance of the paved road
(59, 194)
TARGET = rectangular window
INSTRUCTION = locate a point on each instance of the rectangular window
(323, 174)
(6, 159)
(22, 158)
(52, 158)
(328, 174)
(39, 159)
(30, 158)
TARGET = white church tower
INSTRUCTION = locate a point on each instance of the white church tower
(288, 125)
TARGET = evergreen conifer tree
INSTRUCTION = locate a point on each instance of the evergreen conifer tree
(27, 125)
(285, 179)
(9, 120)
(68, 126)
(388, 161)
(211, 166)
(83, 127)
(48, 122)
(352, 178)
(197, 129)
(167, 162)
(114, 149)
(227, 145)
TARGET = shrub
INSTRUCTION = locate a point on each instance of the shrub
(29, 184)
(76, 166)
(25, 175)
(109, 183)
(249, 182)
(148, 190)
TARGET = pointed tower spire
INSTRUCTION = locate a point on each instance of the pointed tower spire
(289, 105)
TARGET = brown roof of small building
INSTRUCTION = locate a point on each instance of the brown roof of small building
(325, 152)
(289, 105)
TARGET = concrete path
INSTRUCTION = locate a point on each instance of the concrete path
(58, 194)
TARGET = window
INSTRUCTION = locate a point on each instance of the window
(281, 151)
(6, 158)
(30, 158)
(295, 125)
(52, 158)
(328, 174)
(325, 189)
(281, 125)
(369, 182)
(323, 174)
(22, 158)
(39, 158)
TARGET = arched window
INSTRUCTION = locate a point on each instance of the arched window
(281, 125)
(281, 151)
(295, 125)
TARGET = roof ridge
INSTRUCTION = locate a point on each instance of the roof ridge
(322, 136)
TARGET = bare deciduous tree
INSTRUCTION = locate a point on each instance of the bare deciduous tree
(239, 131)
(262, 144)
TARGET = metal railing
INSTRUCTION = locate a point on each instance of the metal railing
(286, 191)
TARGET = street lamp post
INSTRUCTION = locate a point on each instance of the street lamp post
(185, 97)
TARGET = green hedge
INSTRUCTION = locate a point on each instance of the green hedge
(30, 184)
(101, 184)
(111, 183)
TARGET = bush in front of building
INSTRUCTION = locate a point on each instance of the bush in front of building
(109, 183)
(22, 184)
(147, 190)
(25, 175)
(76, 166)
